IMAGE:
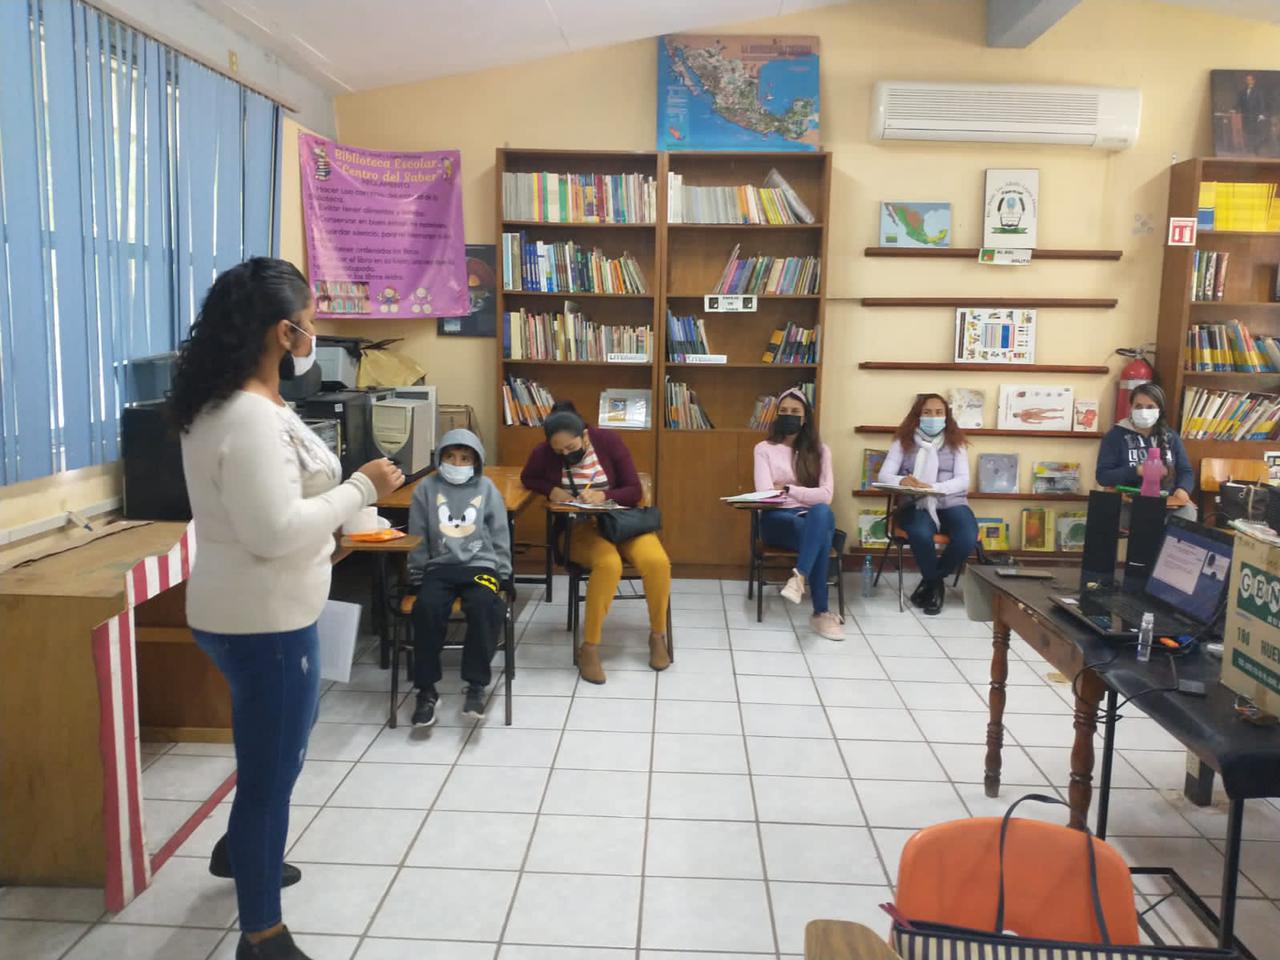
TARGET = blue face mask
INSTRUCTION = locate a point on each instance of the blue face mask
(455, 474)
(932, 426)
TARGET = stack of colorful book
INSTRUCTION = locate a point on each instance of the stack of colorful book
(566, 267)
(1230, 348)
(1209, 274)
(774, 203)
(766, 408)
(684, 412)
(1229, 415)
(769, 275)
(793, 344)
(580, 197)
(1241, 207)
(525, 402)
(571, 337)
(686, 337)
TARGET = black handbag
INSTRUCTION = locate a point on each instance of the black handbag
(1241, 500)
(619, 526)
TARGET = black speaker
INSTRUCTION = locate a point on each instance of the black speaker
(155, 488)
(1101, 540)
(1147, 516)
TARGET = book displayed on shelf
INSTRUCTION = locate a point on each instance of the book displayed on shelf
(684, 412)
(571, 337)
(905, 224)
(1209, 274)
(1084, 416)
(1055, 476)
(769, 275)
(997, 473)
(986, 335)
(967, 407)
(1037, 528)
(525, 403)
(623, 409)
(775, 203)
(1071, 527)
(580, 197)
(766, 407)
(993, 533)
(566, 267)
(873, 528)
(687, 341)
(1229, 415)
(872, 461)
(1009, 212)
(1239, 207)
(1229, 348)
(1035, 407)
(793, 344)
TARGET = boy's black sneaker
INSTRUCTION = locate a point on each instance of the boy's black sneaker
(473, 703)
(424, 710)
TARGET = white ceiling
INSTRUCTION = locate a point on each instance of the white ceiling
(348, 46)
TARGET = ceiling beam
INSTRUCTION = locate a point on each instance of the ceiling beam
(1017, 23)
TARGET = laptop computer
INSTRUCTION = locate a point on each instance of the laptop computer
(1184, 591)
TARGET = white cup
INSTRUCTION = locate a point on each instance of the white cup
(366, 521)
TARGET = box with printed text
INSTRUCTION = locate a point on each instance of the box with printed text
(1251, 640)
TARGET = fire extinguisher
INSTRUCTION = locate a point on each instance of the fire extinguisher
(1134, 373)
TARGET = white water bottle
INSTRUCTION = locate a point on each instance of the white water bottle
(868, 577)
(1145, 637)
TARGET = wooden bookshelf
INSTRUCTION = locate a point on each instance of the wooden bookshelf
(697, 467)
(971, 253)
(1247, 292)
(975, 495)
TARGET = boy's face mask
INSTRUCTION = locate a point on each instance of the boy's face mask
(455, 474)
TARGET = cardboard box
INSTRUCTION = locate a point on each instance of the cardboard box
(456, 416)
(1251, 641)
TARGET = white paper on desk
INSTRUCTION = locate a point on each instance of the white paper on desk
(338, 626)
(579, 505)
(759, 496)
(913, 491)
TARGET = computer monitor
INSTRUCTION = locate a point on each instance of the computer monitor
(1192, 570)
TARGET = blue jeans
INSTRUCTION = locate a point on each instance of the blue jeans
(958, 523)
(807, 531)
(275, 691)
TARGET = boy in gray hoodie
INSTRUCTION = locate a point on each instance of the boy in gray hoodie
(465, 555)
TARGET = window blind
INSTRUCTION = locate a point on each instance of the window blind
(130, 175)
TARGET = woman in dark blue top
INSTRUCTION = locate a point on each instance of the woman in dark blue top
(1124, 450)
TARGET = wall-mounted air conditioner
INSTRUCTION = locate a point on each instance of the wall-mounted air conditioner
(1106, 118)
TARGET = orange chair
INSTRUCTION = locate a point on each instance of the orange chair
(949, 873)
(898, 541)
(1214, 471)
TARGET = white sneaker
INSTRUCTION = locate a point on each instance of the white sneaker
(794, 590)
(827, 625)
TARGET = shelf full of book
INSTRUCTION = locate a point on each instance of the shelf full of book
(1217, 352)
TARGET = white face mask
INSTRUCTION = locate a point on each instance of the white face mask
(455, 474)
(300, 365)
(1145, 418)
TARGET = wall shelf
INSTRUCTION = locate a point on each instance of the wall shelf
(1080, 303)
(744, 226)
(1043, 434)
(1237, 304)
(984, 367)
(974, 495)
(576, 294)
(576, 225)
(971, 253)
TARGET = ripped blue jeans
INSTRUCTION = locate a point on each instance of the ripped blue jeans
(275, 691)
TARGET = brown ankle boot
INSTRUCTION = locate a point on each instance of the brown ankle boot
(659, 659)
(589, 663)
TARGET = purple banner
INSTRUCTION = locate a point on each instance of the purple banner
(384, 231)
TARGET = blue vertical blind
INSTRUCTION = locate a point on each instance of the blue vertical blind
(130, 175)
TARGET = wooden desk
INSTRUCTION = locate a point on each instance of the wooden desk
(844, 940)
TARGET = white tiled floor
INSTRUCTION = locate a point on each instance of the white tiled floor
(767, 778)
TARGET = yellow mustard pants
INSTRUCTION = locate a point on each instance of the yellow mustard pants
(605, 559)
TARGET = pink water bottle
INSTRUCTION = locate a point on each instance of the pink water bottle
(1153, 472)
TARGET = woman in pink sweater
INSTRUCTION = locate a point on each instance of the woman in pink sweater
(796, 463)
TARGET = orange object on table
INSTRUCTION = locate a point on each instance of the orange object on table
(377, 536)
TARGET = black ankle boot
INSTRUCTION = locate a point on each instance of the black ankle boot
(934, 599)
(920, 592)
(220, 865)
(279, 947)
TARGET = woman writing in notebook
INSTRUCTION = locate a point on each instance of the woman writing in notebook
(928, 454)
(1123, 453)
(797, 464)
(591, 465)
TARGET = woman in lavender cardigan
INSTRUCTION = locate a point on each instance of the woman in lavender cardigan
(928, 452)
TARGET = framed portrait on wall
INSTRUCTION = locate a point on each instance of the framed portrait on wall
(1245, 109)
(482, 283)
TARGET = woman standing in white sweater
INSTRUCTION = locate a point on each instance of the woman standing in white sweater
(266, 496)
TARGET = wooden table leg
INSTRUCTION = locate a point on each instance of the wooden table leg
(1089, 693)
(995, 727)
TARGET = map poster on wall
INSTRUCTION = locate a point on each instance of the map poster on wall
(384, 231)
(482, 288)
(737, 93)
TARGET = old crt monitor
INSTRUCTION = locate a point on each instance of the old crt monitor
(404, 431)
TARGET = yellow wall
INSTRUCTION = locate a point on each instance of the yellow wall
(604, 98)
